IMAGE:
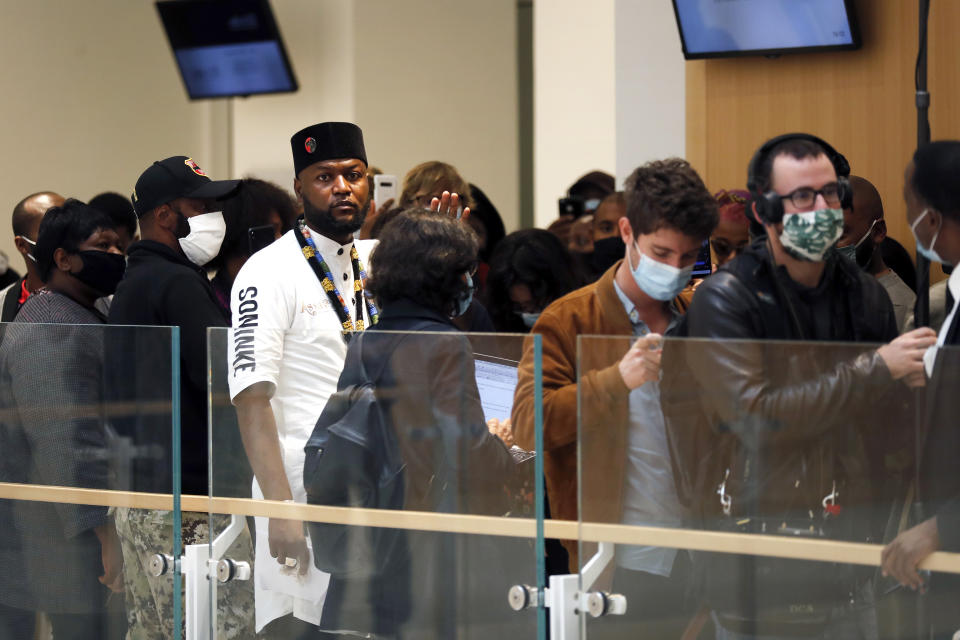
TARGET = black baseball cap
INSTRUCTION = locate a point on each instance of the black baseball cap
(177, 177)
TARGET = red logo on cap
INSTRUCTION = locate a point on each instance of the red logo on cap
(194, 167)
(310, 145)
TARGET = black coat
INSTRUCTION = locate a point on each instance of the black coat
(939, 490)
(781, 404)
(777, 407)
(451, 464)
(939, 480)
(52, 433)
(162, 288)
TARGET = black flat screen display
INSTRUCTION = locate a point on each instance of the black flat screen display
(227, 47)
(715, 28)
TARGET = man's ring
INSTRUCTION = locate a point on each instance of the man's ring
(293, 563)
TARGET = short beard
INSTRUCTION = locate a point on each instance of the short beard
(322, 221)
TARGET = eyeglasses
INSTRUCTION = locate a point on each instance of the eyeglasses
(804, 197)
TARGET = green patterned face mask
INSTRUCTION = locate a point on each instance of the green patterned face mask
(807, 236)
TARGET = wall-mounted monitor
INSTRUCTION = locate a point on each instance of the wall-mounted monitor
(227, 48)
(717, 28)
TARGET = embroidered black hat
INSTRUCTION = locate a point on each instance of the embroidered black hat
(327, 141)
(177, 177)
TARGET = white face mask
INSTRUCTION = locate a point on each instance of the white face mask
(32, 244)
(203, 242)
(808, 235)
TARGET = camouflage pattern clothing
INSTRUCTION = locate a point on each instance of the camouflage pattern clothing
(149, 599)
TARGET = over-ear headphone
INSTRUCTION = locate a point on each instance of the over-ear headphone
(769, 204)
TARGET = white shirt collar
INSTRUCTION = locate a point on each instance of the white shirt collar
(954, 284)
(328, 248)
(930, 357)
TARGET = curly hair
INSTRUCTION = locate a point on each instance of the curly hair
(251, 207)
(422, 256)
(535, 258)
(433, 178)
(669, 193)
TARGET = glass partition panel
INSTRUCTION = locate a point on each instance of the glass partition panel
(405, 515)
(747, 489)
(89, 479)
(937, 497)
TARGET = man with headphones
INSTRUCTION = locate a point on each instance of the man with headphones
(785, 405)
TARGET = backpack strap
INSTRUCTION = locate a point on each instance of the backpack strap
(419, 326)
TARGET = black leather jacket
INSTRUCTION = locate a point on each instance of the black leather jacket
(746, 299)
(772, 411)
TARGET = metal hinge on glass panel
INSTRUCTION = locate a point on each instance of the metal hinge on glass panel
(566, 601)
(204, 567)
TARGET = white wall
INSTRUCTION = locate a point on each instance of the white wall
(423, 85)
(438, 81)
(92, 95)
(574, 97)
(320, 41)
(86, 109)
(608, 91)
(90, 98)
(650, 79)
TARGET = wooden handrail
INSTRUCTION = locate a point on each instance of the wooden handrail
(752, 544)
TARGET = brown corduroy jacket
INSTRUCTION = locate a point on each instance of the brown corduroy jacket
(594, 310)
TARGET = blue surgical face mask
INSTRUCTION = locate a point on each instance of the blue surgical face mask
(529, 319)
(464, 303)
(658, 280)
(928, 253)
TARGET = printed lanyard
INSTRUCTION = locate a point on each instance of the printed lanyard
(323, 273)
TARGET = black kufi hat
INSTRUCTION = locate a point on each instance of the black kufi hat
(327, 141)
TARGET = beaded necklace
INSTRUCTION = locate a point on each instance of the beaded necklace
(323, 273)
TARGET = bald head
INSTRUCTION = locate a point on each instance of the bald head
(867, 205)
(29, 211)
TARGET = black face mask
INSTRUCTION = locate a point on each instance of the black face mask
(605, 254)
(102, 271)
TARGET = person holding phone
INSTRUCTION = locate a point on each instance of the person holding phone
(260, 213)
(669, 215)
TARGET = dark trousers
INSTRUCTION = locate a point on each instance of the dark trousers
(16, 624)
(291, 628)
(658, 607)
(81, 626)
